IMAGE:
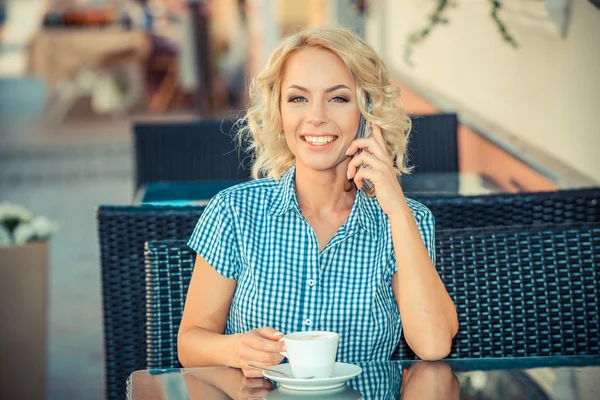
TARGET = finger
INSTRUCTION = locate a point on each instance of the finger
(257, 364)
(263, 360)
(378, 135)
(252, 373)
(269, 333)
(252, 356)
(375, 176)
(266, 345)
(265, 339)
(370, 144)
(359, 180)
(361, 175)
(363, 159)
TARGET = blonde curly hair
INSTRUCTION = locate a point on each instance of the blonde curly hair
(260, 129)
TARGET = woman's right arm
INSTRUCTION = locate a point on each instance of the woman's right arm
(201, 339)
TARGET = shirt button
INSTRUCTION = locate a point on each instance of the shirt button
(308, 322)
(311, 282)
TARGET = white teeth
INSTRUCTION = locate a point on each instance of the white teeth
(319, 140)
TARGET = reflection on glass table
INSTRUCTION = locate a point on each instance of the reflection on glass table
(569, 377)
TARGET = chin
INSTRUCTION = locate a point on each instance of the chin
(320, 165)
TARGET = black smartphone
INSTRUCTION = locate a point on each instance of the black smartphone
(364, 131)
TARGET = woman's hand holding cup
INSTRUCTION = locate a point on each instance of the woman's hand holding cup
(261, 348)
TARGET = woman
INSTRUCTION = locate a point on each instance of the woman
(307, 248)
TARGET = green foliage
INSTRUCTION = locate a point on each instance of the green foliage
(438, 17)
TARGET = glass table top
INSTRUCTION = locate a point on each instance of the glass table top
(569, 377)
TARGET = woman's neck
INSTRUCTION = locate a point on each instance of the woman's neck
(324, 192)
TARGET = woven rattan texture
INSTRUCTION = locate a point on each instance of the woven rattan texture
(201, 150)
(559, 207)
(519, 291)
(123, 232)
(433, 143)
(169, 266)
(188, 151)
(522, 291)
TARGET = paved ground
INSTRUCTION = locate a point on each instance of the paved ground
(64, 177)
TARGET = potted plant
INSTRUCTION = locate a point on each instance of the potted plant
(23, 301)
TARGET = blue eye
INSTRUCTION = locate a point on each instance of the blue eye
(296, 99)
(339, 99)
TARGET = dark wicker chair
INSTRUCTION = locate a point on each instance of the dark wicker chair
(433, 143)
(206, 150)
(559, 207)
(188, 151)
(122, 232)
(169, 266)
(522, 291)
(519, 291)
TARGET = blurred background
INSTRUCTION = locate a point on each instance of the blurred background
(76, 75)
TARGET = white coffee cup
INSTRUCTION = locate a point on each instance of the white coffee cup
(311, 353)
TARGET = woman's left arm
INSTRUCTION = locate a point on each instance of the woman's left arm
(428, 314)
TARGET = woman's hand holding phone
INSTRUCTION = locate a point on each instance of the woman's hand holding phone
(364, 131)
(371, 162)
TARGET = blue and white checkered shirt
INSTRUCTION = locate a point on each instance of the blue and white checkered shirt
(255, 233)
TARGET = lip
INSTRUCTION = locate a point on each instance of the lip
(318, 134)
(321, 147)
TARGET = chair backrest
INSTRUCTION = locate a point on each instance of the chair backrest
(433, 143)
(123, 231)
(558, 207)
(207, 150)
(522, 291)
(169, 266)
(188, 151)
(519, 291)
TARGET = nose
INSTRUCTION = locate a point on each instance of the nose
(317, 114)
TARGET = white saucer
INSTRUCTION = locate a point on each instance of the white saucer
(342, 373)
(340, 393)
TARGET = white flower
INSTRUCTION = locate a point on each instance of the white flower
(43, 227)
(19, 227)
(11, 212)
(5, 239)
(38, 228)
(23, 233)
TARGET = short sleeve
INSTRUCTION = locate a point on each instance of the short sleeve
(214, 238)
(426, 227)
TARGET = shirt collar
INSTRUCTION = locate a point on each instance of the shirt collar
(366, 212)
(285, 198)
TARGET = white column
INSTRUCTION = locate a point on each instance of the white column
(375, 27)
(23, 19)
(264, 32)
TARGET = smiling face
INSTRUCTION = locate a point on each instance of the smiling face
(319, 110)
